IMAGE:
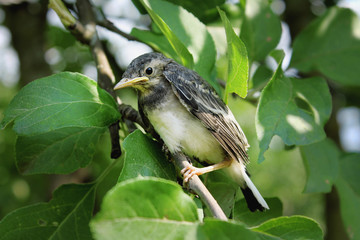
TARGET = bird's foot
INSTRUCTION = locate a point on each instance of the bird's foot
(189, 171)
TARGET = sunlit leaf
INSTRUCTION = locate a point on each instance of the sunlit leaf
(294, 109)
(238, 69)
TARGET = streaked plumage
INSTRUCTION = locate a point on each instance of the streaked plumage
(189, 116)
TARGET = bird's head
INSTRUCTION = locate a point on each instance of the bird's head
(144, 72)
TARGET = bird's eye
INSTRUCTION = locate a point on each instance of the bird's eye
(149, 71)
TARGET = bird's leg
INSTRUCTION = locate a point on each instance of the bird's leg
(190, 170)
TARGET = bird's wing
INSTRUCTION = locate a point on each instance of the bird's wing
(201, 100)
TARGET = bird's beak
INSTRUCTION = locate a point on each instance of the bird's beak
(126, 82)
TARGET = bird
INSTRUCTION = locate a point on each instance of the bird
(190, 117)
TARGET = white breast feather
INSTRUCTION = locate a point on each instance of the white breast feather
(180, 130)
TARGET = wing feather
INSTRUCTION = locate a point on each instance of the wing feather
(201, 100)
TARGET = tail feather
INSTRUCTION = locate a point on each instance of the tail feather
(252, 196)
(252, 203)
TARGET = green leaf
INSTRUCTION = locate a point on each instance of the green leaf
(57, 152)
(59, 119)
(238, 61)
(260, 30)
(175, 42)
(288, 228)
(321, 164)
(242, 213)
(294, 109)
(187, 35)
(349, 191)
(150, 208)
(59, 101)
(261, 76)
(143, 157)
(66, 216)
(331, 45)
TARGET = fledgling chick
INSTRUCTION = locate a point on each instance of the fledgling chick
(190, 117)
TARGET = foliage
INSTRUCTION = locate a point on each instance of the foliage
(59, 120)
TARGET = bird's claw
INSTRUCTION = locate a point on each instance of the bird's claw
(189, 171)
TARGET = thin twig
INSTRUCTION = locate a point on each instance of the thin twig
(197, 186)
(105, 23)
